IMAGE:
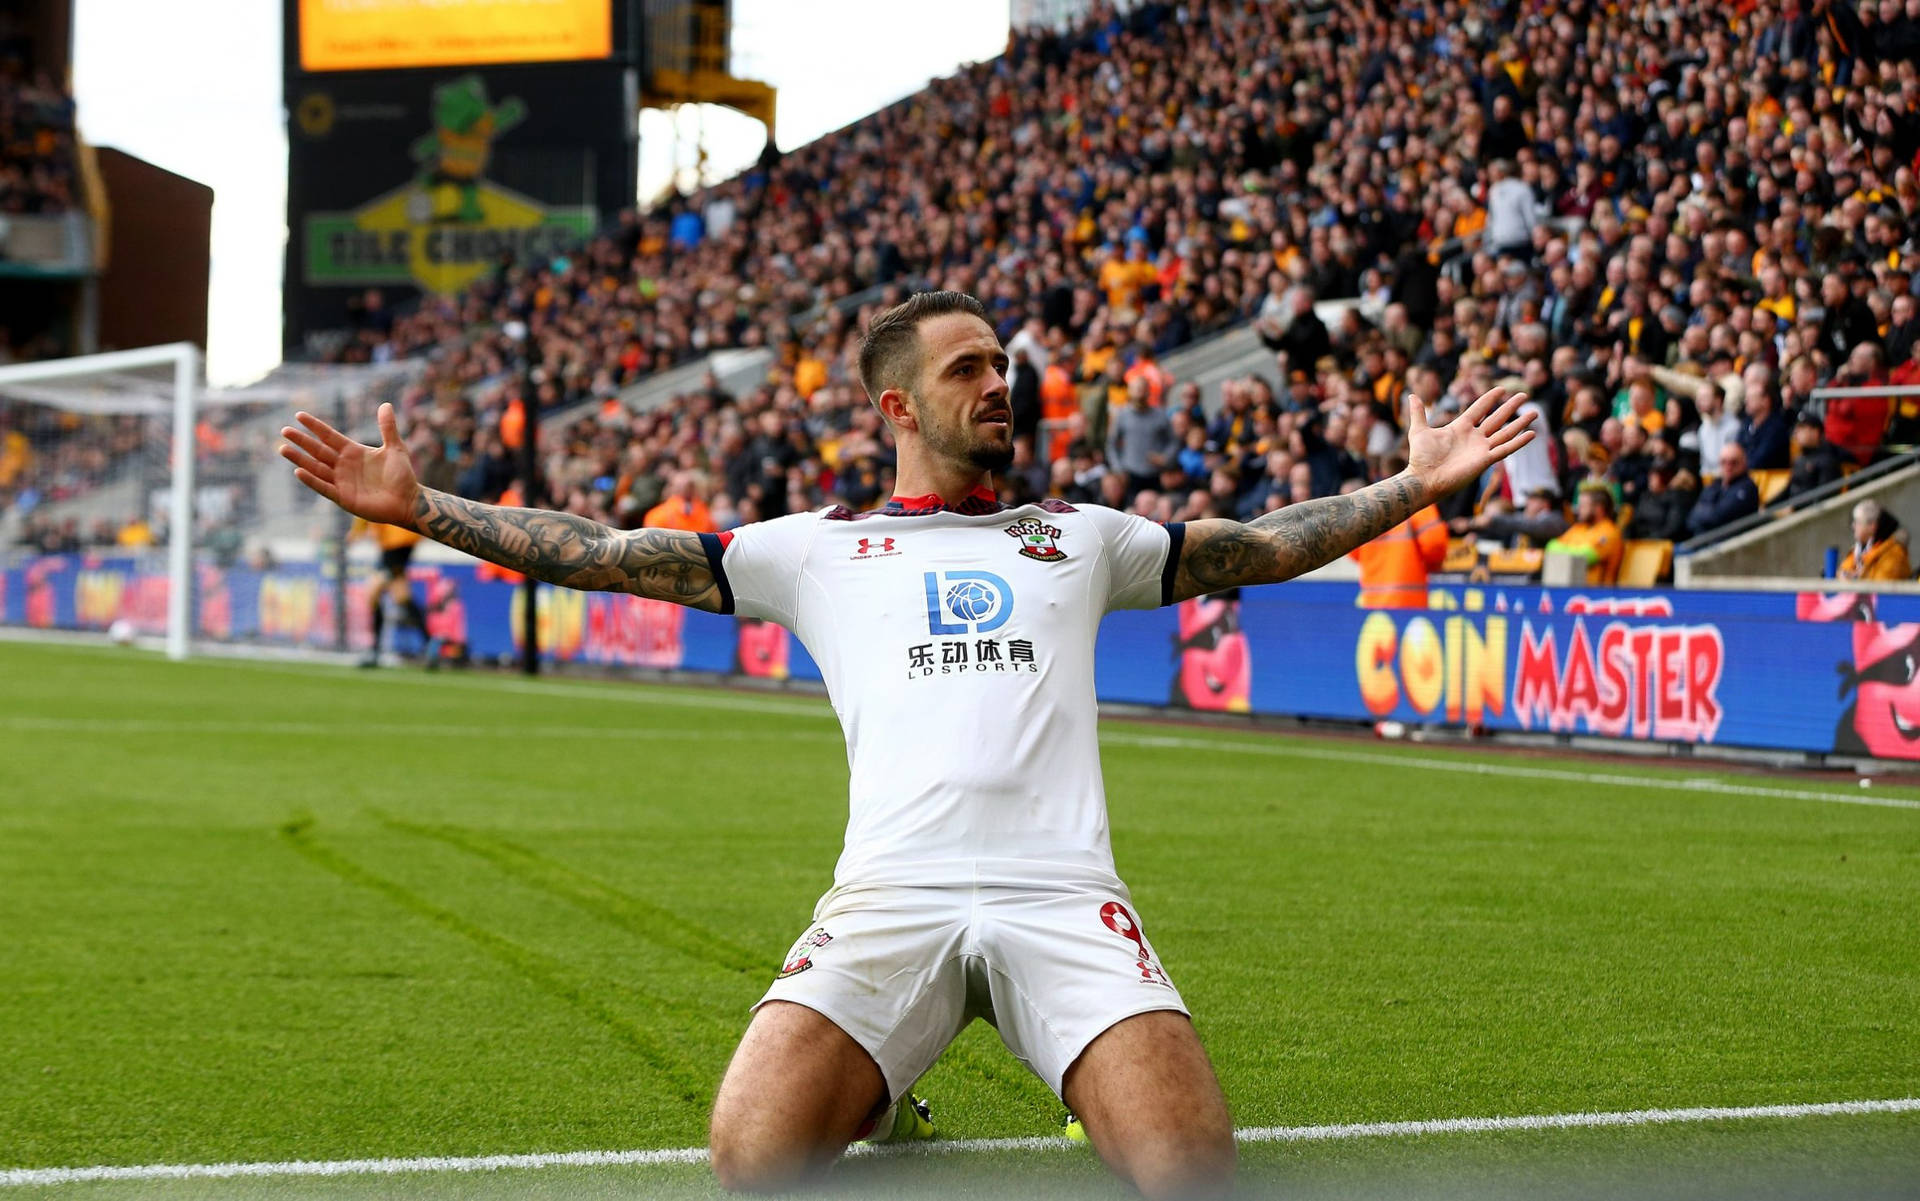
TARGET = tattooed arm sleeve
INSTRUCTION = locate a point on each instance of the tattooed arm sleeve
(669, 565)
(1291, 541)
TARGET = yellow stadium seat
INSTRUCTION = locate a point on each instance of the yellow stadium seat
(1644, 562)
(1461, 555)
(1524, 561)
(1771, 482)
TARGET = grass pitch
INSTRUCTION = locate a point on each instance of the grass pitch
(260, 912)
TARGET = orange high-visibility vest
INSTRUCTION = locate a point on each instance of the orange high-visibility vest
(1394, 566)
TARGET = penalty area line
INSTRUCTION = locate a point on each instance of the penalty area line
(43, 1177)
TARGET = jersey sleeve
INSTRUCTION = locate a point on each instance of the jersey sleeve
(1142, 557)
(757, 567)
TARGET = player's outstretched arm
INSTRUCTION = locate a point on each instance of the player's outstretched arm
(1292, 541)
(377, 483)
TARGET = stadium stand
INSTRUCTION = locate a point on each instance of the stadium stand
(43, 455)
(38, 164)
(1670, 222)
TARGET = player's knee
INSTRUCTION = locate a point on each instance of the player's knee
(1198, 1164)
(742, 1166)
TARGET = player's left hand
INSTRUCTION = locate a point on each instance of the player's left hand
(1447, 457)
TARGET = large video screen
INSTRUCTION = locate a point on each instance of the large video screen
(371, 35)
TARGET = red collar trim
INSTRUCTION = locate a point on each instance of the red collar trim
(932, 499)
(980, 500)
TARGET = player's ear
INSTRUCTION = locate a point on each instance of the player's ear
(893, 405)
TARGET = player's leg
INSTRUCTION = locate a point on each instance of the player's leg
(397, 560)
(411, 614)
(377, 613)
(797, 1091)
(865, 1001)
(1079, 994)
(1153, 1108)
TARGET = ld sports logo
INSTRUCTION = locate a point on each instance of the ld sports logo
(966, 602)
(1036, 539)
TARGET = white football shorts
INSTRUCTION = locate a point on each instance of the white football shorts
(903, 969)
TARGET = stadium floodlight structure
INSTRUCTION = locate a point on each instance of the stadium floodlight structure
(118, 411)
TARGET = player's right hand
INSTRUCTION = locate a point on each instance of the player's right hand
(373, 482)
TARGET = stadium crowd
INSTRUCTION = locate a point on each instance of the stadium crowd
(42, 455)
(38, 164)
(1669, 222)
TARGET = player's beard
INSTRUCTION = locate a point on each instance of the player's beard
(965, 442)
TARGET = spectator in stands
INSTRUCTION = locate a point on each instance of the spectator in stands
(1530, 469)
(1513, 210)
(1765, 435)
(1731, 496)
(1856, 424)
(1664, 506)
(1594, 536)
(1879, 549)
(1816, 462)
(1303, 336)
(1023, 392)
(1539, 521)
(1142, 440)
(1629, 469)
(683, 508)
(1902, 324)
(1846, 321)
(1717, 426)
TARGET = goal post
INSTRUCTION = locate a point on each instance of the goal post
(122, 475)
(184, 360)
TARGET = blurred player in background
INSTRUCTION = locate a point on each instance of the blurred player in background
(956, 638)
(392, 588)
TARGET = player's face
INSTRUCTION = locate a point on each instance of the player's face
(961, 401)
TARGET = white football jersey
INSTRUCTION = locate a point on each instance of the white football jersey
(957, 647)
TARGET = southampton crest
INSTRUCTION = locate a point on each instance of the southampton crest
(1037, 539)
(800, 958)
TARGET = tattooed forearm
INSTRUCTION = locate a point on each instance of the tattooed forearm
(560, 548)
(1291, 541)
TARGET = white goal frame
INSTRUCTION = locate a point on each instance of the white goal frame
(185, 359)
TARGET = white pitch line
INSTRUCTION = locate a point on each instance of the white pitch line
(43, 1177)
(1472, 767)
(1573, 1121)
(382, 729)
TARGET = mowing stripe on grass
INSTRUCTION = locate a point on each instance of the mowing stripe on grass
(691, 695)
(695, 697)
(1283, 747)
(42, 1177)
(1512, 771)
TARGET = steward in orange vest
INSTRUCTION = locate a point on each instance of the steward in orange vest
(1394, 566)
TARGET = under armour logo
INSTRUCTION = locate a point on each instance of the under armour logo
(870, 547)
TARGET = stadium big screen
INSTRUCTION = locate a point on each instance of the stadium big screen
(427, 139)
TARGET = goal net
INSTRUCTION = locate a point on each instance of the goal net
(136, 501)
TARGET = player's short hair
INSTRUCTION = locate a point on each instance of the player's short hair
(890, 353)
